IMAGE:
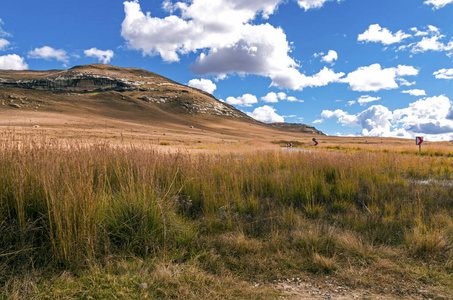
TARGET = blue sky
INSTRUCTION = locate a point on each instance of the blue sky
(349, 67)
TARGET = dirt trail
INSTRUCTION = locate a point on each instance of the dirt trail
(329, 289)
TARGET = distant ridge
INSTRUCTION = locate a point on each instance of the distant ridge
(297, 127)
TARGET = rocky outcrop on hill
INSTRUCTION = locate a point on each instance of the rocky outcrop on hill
(195, 105)
(75, 82)
(90, 78)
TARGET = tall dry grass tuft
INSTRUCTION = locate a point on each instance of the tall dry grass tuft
(353, 245)
(81, 202)
(428, 242)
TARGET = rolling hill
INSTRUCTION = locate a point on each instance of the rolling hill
(129, 102)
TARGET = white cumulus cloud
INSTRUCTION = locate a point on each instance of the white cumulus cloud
(374, 78)
(430, 30)
(374, 121)
(376, 33)
(293, 99)
(201, 24)
(282, 96)
(49, 53)
(261, 50)
(270, 98)
(438, 3)
(224, 33)
(431, 40)
(203, 84)
(310, 4)
(444, 74)
(427, 116)
(293, 79)
(12, 62)
(431, 117)
(415, 92)
(102, 55)
(244, 100)
(3, 33)
(432, 43)
(3, 43)
(330, 57)
(274, 98)
(365, 99)
(266, 114)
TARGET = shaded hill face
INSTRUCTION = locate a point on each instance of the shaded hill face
(126, 94)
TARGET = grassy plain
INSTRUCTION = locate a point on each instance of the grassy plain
(217, 218)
